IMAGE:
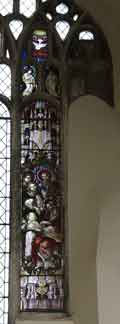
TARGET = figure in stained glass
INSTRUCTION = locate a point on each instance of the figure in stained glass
(52, 83)
(28, 78)
(40, 46)
(41, 221)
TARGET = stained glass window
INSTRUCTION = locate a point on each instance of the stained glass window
(42, 282)
(45, 64)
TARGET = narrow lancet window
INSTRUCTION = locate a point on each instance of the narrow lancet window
(42, 255)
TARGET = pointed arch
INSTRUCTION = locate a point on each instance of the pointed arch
(44, 83)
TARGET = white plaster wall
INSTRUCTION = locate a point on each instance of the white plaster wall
(94, 211)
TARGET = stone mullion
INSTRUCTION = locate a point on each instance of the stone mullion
(16, 6)
(64, 159)
(15, 198)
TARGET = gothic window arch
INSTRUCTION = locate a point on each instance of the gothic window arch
(50, 54)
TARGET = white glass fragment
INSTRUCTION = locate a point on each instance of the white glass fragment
(7, 54)
(62, 8)
(75, 17)
(27, 7)
(16, 27)
(62, 28)
(49, 16)
(6, 7)
(86, 35)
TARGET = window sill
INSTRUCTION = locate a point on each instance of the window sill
(46, 318)
(40, 321)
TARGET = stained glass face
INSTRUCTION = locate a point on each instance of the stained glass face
(4, 211)
(42, 215)
(40, 46)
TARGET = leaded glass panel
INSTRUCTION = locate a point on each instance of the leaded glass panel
(27, 7)
(62, 28)
(16, 27)
(5, 80)
(4, 211)
(6, 7)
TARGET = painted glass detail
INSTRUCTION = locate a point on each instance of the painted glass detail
(40, 46)
(4, 211)
(42, 212)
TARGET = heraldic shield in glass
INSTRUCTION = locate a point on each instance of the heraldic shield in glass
(42, 262)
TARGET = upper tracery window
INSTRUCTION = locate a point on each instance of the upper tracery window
(51, 52)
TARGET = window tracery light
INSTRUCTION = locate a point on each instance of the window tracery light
(86, 35)
(62, 8)
(16, 27)
(27, 8)
(62, 28)
(40, 86)
(6, 7)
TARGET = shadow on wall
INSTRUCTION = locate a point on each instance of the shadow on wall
(94, 211)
